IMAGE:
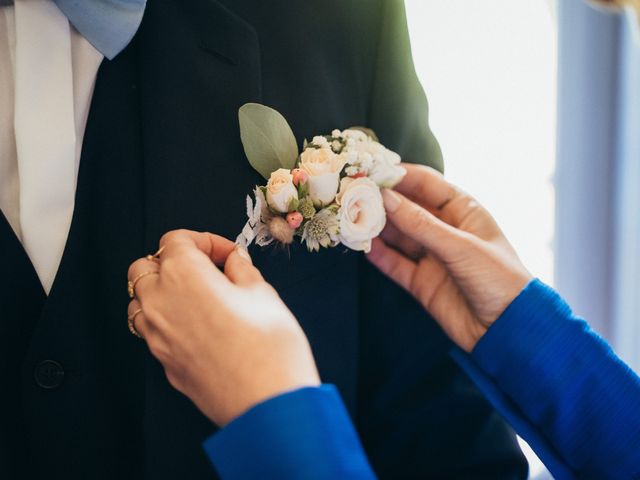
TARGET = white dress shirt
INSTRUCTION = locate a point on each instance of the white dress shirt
(47, 75)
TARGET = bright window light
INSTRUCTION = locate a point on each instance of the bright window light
(489, 70)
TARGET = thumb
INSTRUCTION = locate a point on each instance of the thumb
(239, 269)
(422, 226)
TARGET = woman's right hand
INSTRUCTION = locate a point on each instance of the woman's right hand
(449, 253)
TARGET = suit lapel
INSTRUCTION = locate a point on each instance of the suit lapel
(198, 64)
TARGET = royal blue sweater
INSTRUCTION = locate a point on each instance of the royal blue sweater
(553, 379)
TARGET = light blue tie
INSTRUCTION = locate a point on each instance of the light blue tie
(109, 25)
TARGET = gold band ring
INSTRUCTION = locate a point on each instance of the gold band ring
(155, 256)
(131, 323)
(131, 285)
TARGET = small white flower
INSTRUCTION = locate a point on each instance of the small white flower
(374, 159)
(351, 156)
(365, 160)
(386, 170)
(320, 142)
(281, 190)
(323, 167)
(355, 135)
(321, 230)
(361, 216)
(336, 133)
(351, 171)
(361, 150)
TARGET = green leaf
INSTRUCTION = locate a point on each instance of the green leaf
(293, 204)
(333, 208)
(303, 190)
(267, 139)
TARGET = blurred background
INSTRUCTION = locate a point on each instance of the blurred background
(536, 105)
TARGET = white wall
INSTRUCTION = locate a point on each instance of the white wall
(489, 70)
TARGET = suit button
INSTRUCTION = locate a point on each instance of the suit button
(49, 374)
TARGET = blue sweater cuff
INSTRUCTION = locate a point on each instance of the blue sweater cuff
(303, 434)
(566, 380)
(524, 334)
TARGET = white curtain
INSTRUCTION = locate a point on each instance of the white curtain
(597, 243)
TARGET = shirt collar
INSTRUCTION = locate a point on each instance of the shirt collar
(109, 25)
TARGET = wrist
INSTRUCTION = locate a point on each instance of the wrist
(509, 291)
(260, 393)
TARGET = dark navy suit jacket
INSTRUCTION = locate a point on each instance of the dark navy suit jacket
(82, 398)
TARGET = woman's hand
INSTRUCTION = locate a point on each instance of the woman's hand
(449, 253)
(226, 340)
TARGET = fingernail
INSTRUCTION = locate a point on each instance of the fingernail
(391, 200)
(244, 253)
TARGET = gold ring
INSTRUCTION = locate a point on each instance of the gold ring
(155, 256)
(131, 322)
(131, 285)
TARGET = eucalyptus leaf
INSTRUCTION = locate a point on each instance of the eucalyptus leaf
(267, 139)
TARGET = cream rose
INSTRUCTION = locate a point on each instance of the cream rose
(323, 167)
(361, 216)
(281, 190)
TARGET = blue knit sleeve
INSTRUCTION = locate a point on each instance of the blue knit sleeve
(562, 379)
(304, 434)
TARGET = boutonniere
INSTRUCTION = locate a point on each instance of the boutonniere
(326, 195)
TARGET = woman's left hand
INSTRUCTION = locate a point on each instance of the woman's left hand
(225, 339)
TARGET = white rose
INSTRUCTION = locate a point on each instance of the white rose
(281, 190)
(323, 167)
(385, 170)
(361, 215)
